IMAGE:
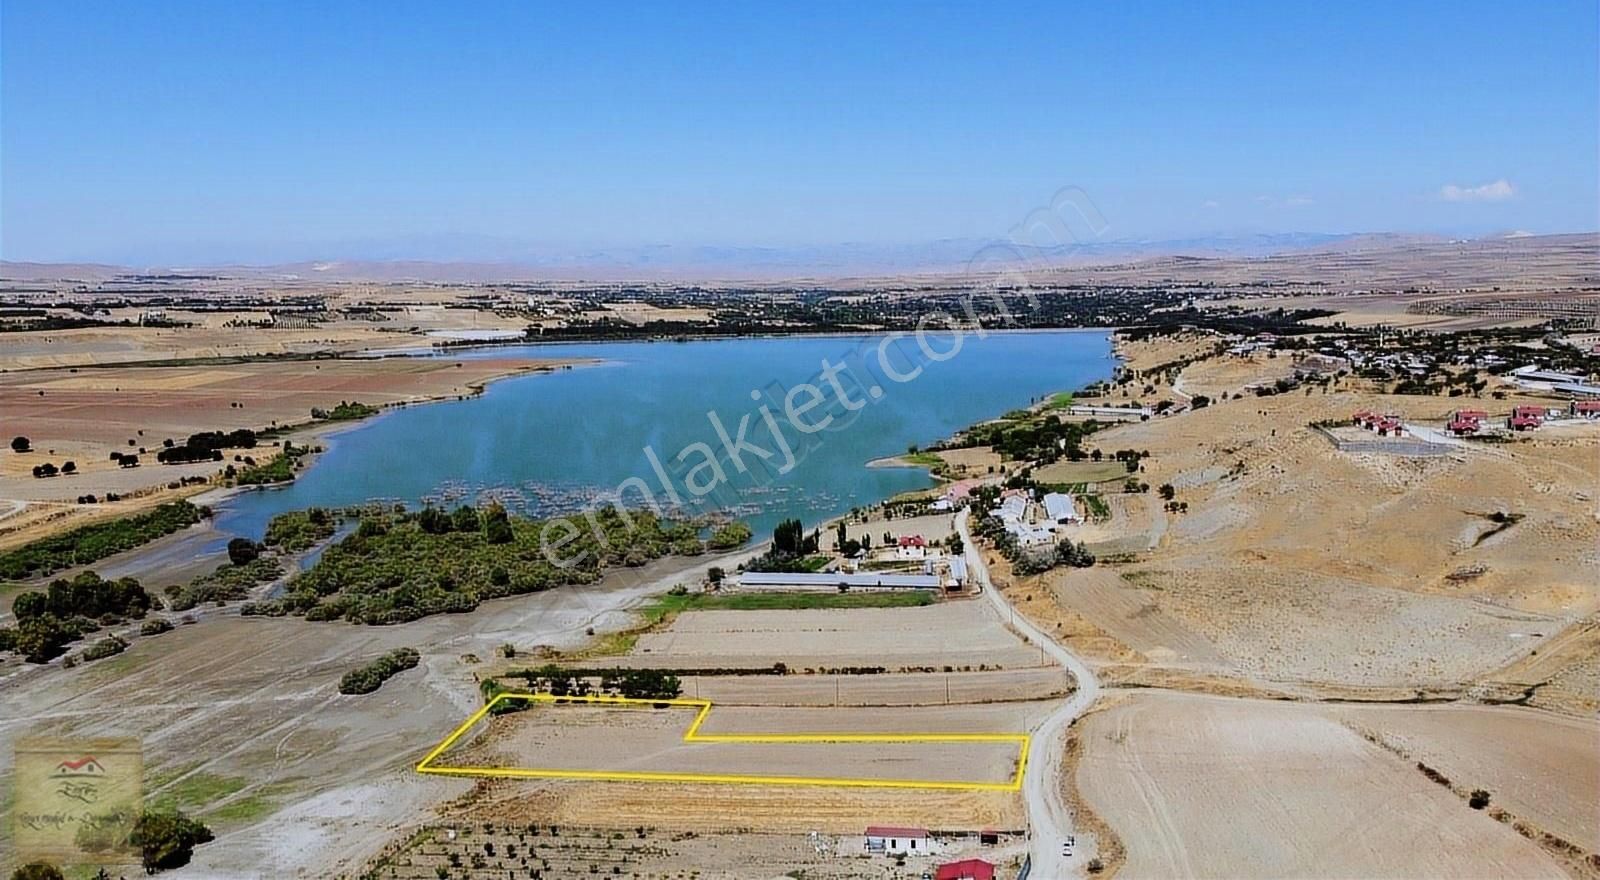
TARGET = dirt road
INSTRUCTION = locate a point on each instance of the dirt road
(1049, 819)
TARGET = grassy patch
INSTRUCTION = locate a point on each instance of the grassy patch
(923, 459)
(1098, 509)
(1061, 400)
(253, 806)
(193, 792)
(1080, 472)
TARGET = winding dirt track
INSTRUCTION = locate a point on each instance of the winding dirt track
(1049, 819)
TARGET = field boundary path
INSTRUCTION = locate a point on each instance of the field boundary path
(1049, 818)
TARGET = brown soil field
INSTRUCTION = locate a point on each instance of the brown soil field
(84, 415)
(1217, 787)
(893, 689)
(125, 345)
(642, 739)
(960, 633)
(712, 808)
(1544, 768)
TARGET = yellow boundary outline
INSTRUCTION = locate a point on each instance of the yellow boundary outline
(693, 735)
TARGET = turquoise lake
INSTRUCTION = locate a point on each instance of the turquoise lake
(545, 444)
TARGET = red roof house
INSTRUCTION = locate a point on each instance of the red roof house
(912, 541)
(966, 869)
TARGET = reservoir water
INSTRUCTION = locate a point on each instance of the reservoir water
(546, 444)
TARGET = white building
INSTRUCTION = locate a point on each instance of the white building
(892, 841)
(1059, 507)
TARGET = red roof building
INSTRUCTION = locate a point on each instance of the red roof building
(966, 869)
(912, 541)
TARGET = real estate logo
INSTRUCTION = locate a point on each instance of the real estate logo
(76, 798)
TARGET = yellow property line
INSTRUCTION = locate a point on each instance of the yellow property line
(693, 735)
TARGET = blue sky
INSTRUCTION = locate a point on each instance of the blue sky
(154, 131)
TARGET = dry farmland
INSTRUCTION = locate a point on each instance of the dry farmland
(1208, 786)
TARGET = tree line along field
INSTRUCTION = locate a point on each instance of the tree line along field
(91, 543)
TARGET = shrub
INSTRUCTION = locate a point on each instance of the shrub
(370, 677)
(1479, 799)
(167, 839)
(104, 648)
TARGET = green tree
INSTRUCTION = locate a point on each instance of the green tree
(20, 444)
(1167, 492)
(242, 551)
(37, 870)
(497, 525)
(166, 839)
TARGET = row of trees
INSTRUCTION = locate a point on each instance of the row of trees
(91, 543)
(790, 548)
(205, 446)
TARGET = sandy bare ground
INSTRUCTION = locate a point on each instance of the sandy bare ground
(959, 634)
(934, 527)
(1215, 787)
(1300, 563)
(652, 853)
(257, 699)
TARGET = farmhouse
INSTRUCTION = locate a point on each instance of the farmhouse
(911, 547)
(889, 840)
(788, 580)
(966, 869)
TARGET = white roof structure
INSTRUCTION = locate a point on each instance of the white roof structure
(1059, 507)
(833, 580)
(1012, 508)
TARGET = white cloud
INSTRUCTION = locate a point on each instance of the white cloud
(1296, 201)
(1498, 191)
(1210, 203)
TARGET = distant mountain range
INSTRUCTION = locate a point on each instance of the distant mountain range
(504, 260)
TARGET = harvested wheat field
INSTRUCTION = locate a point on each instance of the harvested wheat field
(641, 739)
(1199, 786)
